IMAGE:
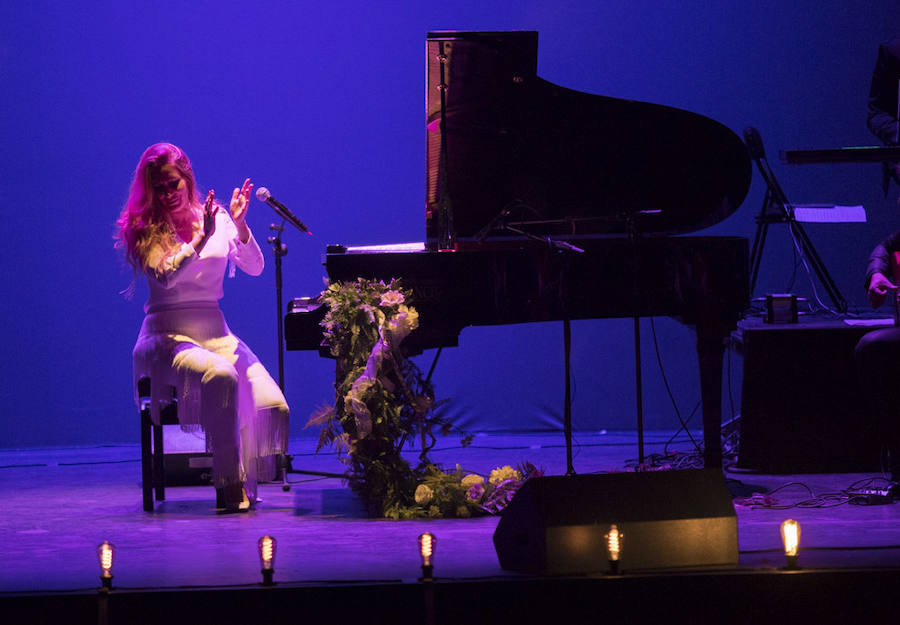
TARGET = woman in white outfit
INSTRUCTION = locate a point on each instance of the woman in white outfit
(184, 246)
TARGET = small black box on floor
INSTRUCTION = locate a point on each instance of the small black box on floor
(668, 519)
(781, 308)
(188, 469)
(802, 410)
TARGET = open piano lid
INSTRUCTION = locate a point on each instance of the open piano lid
(559, 161)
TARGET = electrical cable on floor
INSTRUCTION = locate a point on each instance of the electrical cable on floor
(543, 446)
(312, 479)
(23, 466)
(311, 454)
(809, 277)
(697, 447)
(795, 263)
(665, 380)
(729, 384)
(674, 461)
(862, 492)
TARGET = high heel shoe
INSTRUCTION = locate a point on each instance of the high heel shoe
(234, 498)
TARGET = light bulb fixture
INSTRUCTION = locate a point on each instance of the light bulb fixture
(427, 543)
(614, 548)
(266, 546)
(105, 552)
(790, 536)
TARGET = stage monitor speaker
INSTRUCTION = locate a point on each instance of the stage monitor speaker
(668, 519)
(188, 469)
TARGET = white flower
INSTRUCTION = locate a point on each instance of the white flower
(391, 298)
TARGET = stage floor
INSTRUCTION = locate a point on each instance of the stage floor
(61, 503)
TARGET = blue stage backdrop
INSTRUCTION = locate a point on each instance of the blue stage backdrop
(323, 103)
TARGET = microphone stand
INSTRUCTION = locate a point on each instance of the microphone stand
(280, 250)
(634, 237)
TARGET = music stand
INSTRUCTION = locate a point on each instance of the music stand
(777, 209)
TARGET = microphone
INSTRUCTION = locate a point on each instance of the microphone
(491, 225)
(263, 195)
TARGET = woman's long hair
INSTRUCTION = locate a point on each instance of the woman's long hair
(144, 222)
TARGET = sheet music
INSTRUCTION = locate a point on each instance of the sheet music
(875, 323)
(829, 213)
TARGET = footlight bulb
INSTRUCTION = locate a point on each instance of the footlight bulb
(105, 553)
(614, 548)
(427, 543)
(266, 546)
(790, 536)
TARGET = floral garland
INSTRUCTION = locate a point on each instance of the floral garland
(383, 402)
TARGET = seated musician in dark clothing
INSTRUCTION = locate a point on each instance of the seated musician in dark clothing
(878, 352)
(878, 356)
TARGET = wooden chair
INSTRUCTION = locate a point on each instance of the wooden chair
(153, 463)
(153, 474)
(153, 456)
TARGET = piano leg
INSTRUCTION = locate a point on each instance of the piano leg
(567, 408)
(710, 352)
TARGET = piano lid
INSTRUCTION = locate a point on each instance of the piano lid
(559, 161)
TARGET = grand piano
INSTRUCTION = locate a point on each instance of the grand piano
(545, 203)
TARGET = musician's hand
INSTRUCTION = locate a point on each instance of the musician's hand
(209, 214)
(879, 287)
(209, 222)
(240, 202)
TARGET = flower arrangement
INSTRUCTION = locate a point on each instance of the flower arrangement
(383, 403)
(461, 494)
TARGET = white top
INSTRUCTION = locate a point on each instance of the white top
(190, 278)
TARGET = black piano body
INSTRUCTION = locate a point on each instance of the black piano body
(516, 164)
(695, 279)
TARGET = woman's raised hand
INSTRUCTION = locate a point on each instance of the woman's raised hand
(202, 235)
(240, 201)
(209, 214)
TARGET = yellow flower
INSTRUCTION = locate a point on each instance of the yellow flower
(502, 474)
(472, 479)
(423, 494)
